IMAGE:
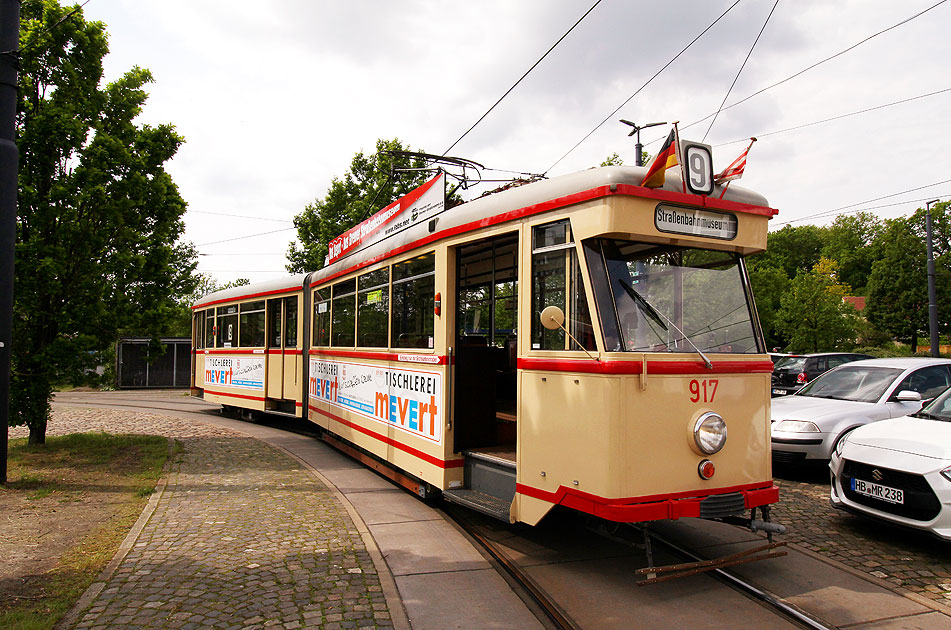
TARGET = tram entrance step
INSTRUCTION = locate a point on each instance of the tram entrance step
(479, 501)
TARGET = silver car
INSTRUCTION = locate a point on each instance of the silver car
(808, 424)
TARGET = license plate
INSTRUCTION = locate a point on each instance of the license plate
(779, 392)
(878, 491)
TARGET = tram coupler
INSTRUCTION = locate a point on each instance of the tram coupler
(757, 525)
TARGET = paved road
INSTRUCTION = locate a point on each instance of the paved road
(907, 562)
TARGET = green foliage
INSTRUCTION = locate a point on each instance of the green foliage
(813, 316)
(898, 284)
(769, 285)
(612, 160)
(98, 215)
(369, 186)
(854, 241)
(792, 249)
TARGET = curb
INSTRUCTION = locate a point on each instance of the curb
(94, 589)
(387, 582)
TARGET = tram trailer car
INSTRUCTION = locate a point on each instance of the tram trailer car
(642, 395)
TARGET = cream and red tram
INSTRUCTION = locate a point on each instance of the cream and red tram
(420, 347)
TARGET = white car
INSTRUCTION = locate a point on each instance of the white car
(899, 470)
(808, 424)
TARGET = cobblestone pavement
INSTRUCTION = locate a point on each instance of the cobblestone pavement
(906, 559)
(241, 537)
(249, 565)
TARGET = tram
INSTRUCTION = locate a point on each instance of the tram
(580, 341)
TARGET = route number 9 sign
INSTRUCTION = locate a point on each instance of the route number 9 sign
(698, 164)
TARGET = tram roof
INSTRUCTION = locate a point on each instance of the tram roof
(470, 213)
(527, 195)
(260, 290)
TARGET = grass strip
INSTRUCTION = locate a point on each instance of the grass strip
(79, 468)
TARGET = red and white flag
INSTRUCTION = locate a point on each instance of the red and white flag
(736, 167)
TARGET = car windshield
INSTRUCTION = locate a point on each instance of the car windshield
(790, 363)
(859, 383)
(939, 409)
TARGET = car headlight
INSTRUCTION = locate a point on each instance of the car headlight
(709, 433)
(796, 426)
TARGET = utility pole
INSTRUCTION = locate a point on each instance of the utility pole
(9, 157)
(932, 298)
(638, 147)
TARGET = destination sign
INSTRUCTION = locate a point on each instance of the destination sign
(695, 222)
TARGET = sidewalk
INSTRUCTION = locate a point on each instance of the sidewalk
(258, 528)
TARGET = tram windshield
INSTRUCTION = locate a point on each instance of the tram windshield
(662, 298)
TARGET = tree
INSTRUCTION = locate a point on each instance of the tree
(792, 249)
(813, 315)
(769, 285)
(854, 242)
(98, 217)
(898, 284)
(369, 186)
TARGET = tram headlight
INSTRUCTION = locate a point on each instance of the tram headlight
(709, 433)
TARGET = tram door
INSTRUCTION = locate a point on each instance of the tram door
(484, 399)
(275, 349)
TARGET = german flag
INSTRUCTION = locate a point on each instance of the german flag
(666, 158)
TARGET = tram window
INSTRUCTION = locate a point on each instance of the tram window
(414, 288)
(198, 333)
(228, 326)
(373, 308)
(551, 234)
(210, 328)
(662, 298)
(252, 332)
(274, 318)
(321, 317)
(290, 322)
(556, 281)
(343, 313)
(487, 291)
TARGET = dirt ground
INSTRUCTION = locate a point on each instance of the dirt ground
(54, 511)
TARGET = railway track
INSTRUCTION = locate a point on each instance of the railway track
(561, 617)
(558, 616)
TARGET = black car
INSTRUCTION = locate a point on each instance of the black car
(792, 372)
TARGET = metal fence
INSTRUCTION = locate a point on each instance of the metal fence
(134, 369)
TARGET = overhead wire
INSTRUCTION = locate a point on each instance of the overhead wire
(740, 71)
(808, 68)
(846, 209)
(839, 117)
(527, 72)
(241, 238)
(646, 83)
(50, 28)
(240, 216)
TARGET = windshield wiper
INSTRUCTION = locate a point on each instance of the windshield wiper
(655, 315)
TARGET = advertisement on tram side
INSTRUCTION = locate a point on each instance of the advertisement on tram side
(409, 400)
(244, 372)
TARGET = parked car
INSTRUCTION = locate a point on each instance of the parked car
(808, 424)
(794, 371)
(899, 470)
(775, 357)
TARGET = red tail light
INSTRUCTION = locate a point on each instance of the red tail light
(802, 378)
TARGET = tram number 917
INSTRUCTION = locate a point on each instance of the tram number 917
(703, 390)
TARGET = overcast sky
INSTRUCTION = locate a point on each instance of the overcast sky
(274, 98)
